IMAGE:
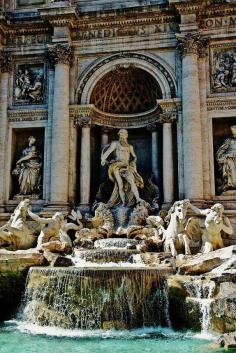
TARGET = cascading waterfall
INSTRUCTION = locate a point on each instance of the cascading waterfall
(202, 292)
(95, 298)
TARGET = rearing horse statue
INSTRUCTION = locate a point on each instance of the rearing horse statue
(16, 234)
(175, 237)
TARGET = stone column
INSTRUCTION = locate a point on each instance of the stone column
(83, 120)
(168, 164)
(61, 55)
(192, 135)
(6, 66)
(104, 137)
(155, 162)
(205, 125)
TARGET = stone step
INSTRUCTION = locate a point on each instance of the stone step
(106, 255)
(116, 243)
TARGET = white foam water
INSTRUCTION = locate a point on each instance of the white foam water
(29, 328)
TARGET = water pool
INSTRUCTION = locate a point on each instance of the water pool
(18, 337)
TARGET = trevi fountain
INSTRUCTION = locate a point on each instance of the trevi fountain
(118, 176)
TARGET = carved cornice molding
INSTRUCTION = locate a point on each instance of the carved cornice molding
(191, 43)
(60, 54)
(89, 115)
(187, 7)
(18, 115)
(221, 103)
(59, 16)
(6, 64)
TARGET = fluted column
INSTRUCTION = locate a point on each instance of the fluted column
(192, 136)
(104, 137)
(168, 164)
(155, 162)
(83, 120)
(6, 66)
(61, 55)
(205, 125)
(85, 168)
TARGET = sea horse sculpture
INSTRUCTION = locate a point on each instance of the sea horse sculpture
(16, 234)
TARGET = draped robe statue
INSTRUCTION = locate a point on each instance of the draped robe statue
(226, 159)
(122, 171)
(28, 170)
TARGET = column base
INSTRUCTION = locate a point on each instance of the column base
(166, 205)
(52, 207)
(84, 208)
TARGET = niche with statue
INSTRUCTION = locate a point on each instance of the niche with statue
(27, 163)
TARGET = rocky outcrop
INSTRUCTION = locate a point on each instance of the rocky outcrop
(13, 272)
(205, 289)
(203, 263)
(228, 340)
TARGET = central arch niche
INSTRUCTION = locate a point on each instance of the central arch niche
(126, 90)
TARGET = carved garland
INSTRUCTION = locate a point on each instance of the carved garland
(123, 55)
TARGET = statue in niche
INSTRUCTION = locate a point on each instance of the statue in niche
(28, 170)
(16, 234)
(122, 171)
(215, 223)
(226, 159)
(29, 86)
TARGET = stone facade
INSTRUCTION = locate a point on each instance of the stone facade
(56, 57)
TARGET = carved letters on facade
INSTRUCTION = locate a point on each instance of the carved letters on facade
(223, 68)
(29, 84)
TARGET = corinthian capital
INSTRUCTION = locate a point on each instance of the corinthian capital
(60, 54)
(5, 61)
(191, 43)
(168, 117)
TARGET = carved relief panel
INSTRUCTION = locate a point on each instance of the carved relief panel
(29, 84)
(223, 70)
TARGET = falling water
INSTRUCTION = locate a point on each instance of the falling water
(95, 298)
(202, 292)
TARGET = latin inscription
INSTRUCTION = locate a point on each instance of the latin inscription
(124, 31)
(218, 22)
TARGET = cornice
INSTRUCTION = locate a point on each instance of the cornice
(221, 103)
(218, 10)
(59, 16)
(89, 115)
(138, 19)
(19, 115)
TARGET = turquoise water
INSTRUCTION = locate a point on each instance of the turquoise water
(17, 337)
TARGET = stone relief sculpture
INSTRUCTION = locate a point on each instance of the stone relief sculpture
(28, 171)
(122, 171)
(224, 70)
(215, 223)
(29, 85)
(226, 159)
(54, 228)
(16, 233)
